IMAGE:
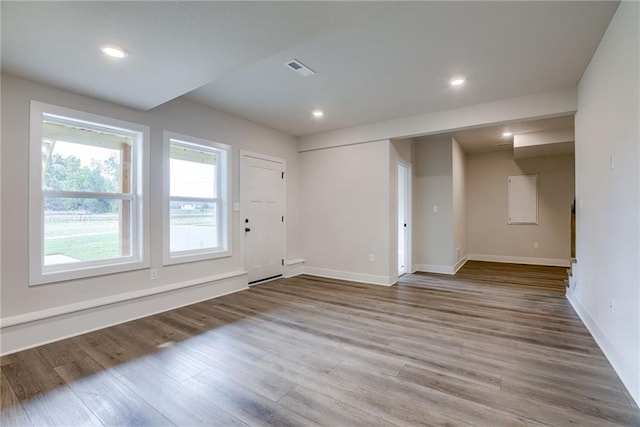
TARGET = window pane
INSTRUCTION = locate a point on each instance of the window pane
(84, 229)
(192, 226)
(75, 159)
(192, 173)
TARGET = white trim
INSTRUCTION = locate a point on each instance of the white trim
(462, 261)
(626, 372)
(434, 268)
(261, 156)
(224, 178)
(352, 277)
(293, 267)
(114, 299)
(39, 328)
(39, 273)
(552, 262)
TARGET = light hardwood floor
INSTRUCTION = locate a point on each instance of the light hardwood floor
(495, 345)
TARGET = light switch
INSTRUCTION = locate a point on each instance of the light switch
(435, 208)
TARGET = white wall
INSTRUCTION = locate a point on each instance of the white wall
(345, 204)
(490, 237)
(606, 294)
(433, 231)
(21, 302)
(403, 149)
(459, 195)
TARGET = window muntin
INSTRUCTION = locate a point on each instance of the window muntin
(197, 181)
(86, 198)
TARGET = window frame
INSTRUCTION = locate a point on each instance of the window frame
(224, 154)
(40, 274)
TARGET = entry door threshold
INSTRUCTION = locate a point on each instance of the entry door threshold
(256, 282)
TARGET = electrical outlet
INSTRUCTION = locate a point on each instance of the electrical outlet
(611, 306)
(536, 245)
(371, 258)
(154, 274)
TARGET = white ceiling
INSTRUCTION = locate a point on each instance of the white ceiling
(483, 140)
(375, 60)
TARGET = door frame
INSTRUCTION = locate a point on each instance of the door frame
(408, 266)
(243, 207)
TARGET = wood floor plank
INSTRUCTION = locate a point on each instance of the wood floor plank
(430, 404)
(61, 352)
(269, 385)
(243, 403)
(30, 375)
(11, 412)
(494, 345)
(176, 402)
(326, 411)
(112, 402)
(44, 395)
(118, 359)
(505, 402)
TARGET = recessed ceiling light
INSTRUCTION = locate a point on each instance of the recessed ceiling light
(114, 51)
(507, 134)
(317, 113)
(457, 81)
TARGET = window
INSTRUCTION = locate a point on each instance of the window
(197, 211)
(86, 195)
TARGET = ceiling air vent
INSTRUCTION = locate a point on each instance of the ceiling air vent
(299, 68)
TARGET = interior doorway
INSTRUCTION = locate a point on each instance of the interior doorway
(262, 201)
(404, 218)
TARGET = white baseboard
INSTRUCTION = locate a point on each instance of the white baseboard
(293, 267)
(462, 261)
(629, 376)
(434, 268)
(353, 277)
(37, 328)
(553, 262)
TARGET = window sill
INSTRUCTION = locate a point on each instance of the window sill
(194, 257)
(43, 278)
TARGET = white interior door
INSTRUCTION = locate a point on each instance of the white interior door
(404, 198)
(262, 215)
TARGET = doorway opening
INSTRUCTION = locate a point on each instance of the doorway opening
(404, 218)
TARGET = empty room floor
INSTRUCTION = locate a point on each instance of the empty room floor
(495, 345)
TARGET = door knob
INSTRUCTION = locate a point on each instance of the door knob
(247, 229)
